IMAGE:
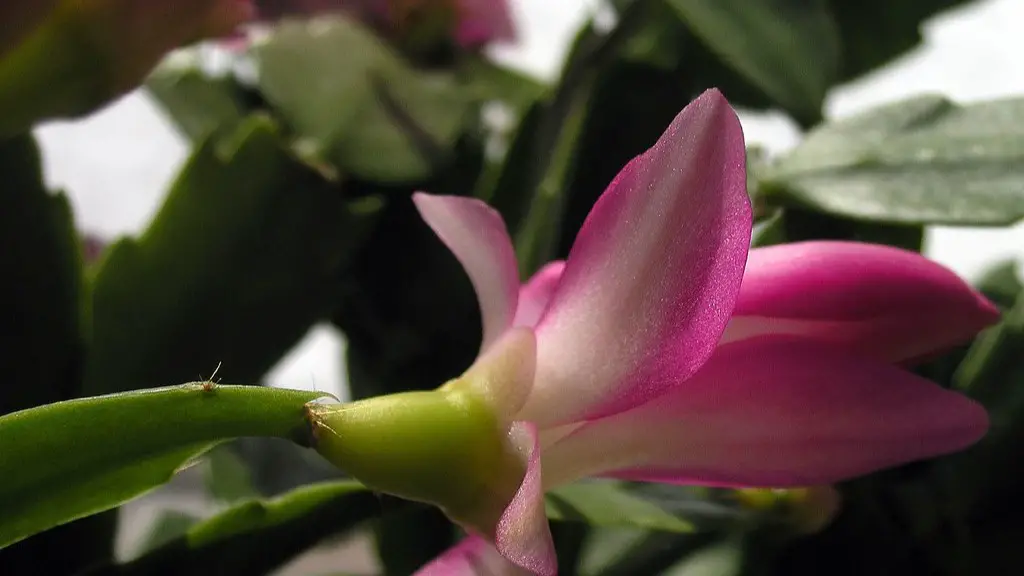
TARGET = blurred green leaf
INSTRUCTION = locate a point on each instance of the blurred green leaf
(876, 32)
(45, 314)
(535, 189)
(247, 252)
(255, 537)
(74, 458)
(197, 103)
(770, 231)
(726, 558)
(1002, 283)
(226, 476)
(606, 503)
(351, 100)
(800, 225)
(41, 309)
(169, 525)
(920, 161)
(631, 106)
(487, 81)
(647, 553)
(788, 48)
(408, 539)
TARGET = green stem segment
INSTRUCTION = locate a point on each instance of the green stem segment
(70, 459)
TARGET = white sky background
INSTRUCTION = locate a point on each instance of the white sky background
(116, 164)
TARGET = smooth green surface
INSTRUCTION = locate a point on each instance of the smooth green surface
(198, 105)
(256, 536)
(70, 459)
(442, 447)
(368, 112)
(41, 296)
(227, 477)
(605, 503)
(921, 161)
(788, 48)
(248, 251)
(56, 71)
(873, 33)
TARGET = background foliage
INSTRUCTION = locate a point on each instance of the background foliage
(293, 208)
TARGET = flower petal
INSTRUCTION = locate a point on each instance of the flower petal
(650, 282)
(891, 304)
(774, 411)
(535, 294)
(476, 234)
(473, 556)
(522, 534)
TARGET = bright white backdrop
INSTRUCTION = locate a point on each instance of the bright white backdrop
(116, 164)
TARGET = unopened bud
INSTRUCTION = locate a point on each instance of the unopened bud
(805, 510)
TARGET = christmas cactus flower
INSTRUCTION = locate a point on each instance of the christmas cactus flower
(663, 349)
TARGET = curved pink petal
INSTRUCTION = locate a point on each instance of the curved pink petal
(484, 21)
(473, 556)
(536, 293)
(891, 304)
(774, 411)
(651, 279)
(476, 234)
(522, 534)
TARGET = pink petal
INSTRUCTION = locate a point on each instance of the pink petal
(522, 534)
(484, 21)
(503, 375)
(892, 304)
(774, 411)
(535, 294)
(476, 234)
(473, 556)
(650, 282)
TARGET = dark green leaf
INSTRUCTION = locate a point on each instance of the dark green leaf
(42, 316)
(246, 254)
(354, 102)
(74, 458)
(800, 225)
(726, 558)
(993, 374)
(1002, 283)
(631, 106)
(651, 553)
(197, 103)
(876, 32)
(770, 231)
(409, 539)
(605, 503)
(257, 536)
(922, 161)
(42, 324)
(788, 48)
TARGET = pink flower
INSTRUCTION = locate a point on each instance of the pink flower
(660, 351)
(477, 22)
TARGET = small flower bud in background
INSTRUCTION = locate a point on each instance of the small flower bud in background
(92, 247)
(804, 510)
